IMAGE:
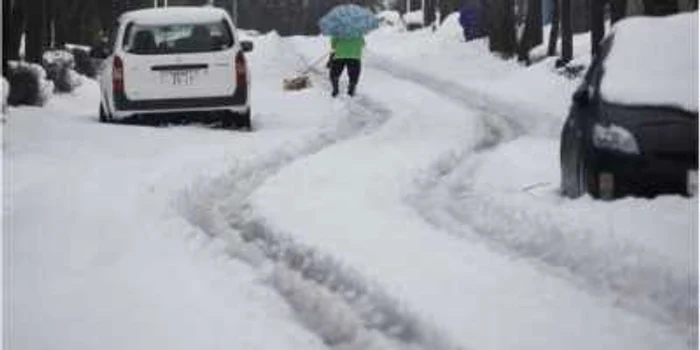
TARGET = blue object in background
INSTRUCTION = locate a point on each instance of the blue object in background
(348, 21)
(469, 20)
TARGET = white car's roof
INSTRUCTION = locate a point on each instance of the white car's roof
(175, 14)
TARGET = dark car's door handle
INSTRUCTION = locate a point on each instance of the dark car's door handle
(179, 67)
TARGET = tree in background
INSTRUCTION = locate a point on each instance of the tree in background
(554, 29)
(35, 28)
(501, 27)
(567, 34)
(597, 25)
(13, 24)
(532, 33)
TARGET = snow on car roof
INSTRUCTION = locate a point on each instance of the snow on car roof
(654, 61)
(175, 14)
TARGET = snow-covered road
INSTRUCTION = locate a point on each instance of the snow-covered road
(421, 214)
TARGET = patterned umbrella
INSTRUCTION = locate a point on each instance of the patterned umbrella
(348, 21)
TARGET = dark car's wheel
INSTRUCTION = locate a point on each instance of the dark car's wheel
(585, 180)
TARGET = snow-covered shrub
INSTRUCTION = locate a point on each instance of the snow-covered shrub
(450, 29)
(83, 63)
(59, 66)
(28, 84)
(413, 20)
(391, 19)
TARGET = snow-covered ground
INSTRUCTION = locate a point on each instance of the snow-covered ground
(421, 214)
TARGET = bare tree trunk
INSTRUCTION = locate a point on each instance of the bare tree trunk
(567, 45)
(532, 34)
(49, 17)
(13, 24)
(502, 27)
(617, 10)
(35, 31)
(660, 7)
(597, 25)
(429, 12)
(554, 31)
(581, 22)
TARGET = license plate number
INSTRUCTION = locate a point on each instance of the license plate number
(179, 77)
(692, 182)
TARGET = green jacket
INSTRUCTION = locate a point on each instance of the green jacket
(345, 48)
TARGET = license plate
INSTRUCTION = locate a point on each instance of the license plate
(179, 77)
(692, 182)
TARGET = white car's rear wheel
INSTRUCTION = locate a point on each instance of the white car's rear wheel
(243, 121)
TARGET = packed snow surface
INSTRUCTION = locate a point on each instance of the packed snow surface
(421, 214)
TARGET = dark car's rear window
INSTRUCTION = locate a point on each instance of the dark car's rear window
(178, 38)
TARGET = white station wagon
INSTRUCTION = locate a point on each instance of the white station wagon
(175, 60)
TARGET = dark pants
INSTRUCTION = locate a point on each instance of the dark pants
(338, 65)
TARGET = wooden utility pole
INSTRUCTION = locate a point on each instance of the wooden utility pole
(567, 45)
(597, 25)
(502, 27)
(617, 10)
(429, 11)
(554, 30)
(532, 34)
(34, 45)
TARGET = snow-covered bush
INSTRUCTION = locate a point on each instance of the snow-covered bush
(83, 63)
(413, 20)
(28, 84)
(391, 19)
(450, 29)
(59, 66)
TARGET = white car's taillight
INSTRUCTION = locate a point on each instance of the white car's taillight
(614, 137)
(241, 70)
(117, 75)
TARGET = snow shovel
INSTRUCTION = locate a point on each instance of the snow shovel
(302, 80)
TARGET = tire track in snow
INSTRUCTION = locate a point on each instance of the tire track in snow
(643, 287)
(342, 307)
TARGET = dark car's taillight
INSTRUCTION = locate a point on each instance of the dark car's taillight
(241, 70)
(117, 75)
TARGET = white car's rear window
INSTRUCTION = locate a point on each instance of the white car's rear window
(167, 39)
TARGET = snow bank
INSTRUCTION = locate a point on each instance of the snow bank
(415, 17)
(654, 61)
(390, 18)
(450, 28)
(636, 248)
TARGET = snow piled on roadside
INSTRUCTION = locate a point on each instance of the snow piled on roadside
(640, 252)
